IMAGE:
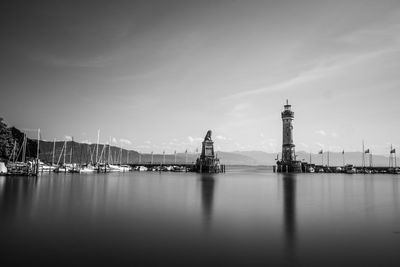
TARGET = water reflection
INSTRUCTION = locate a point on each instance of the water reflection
(289, 209)
(207, 197)
(16, 195)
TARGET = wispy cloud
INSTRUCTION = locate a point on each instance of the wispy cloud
(68, 138)
(293, 82)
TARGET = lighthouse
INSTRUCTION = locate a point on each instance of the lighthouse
(287, 132)
(288, 161)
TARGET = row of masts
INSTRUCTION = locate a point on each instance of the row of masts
(104, 157)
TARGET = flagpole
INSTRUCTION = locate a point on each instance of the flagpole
(328, 158)
(370, 160)
(322, 158)
(363, 156)
(343, 158)
(186, 156)
(163, 157)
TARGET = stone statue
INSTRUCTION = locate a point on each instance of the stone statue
(208, 136)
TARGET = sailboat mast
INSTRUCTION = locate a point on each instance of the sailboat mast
(61, 153)
(24, 148)
(109, 151)
(80, 155)
(97, 144)
(14, 150)
(72, 150)
(65, 151)
(362, 154)
(54, 149)
(37, 152)
(120, 155)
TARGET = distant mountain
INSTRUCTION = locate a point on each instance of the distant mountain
(231, 158)
(260, 157)
(85, 153)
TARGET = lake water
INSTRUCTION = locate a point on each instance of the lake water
(248, 216)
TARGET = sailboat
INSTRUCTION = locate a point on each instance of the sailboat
(16, 167)
(88, 167)
(63, 168)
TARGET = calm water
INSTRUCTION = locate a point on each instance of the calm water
(245, 217)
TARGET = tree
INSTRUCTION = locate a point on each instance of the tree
(6, 140)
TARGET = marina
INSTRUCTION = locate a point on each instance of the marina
(104, 158)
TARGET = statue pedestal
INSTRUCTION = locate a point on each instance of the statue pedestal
(207, 162)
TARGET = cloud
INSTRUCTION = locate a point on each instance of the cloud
(147, 142)
(302, 78)
(68, 138)
(114, 140)
(319, 144)
(334, 134)
(220, 137)
(321, 132)
(195, 139)
(125, 141)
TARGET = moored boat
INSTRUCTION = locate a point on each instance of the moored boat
(87, 169)
(349, 168)
(3, 168)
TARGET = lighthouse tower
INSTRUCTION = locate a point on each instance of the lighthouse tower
(288, 154)
(288, 161)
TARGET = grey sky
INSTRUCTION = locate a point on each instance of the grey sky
(161, 73)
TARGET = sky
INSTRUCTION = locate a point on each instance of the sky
(156, 75)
